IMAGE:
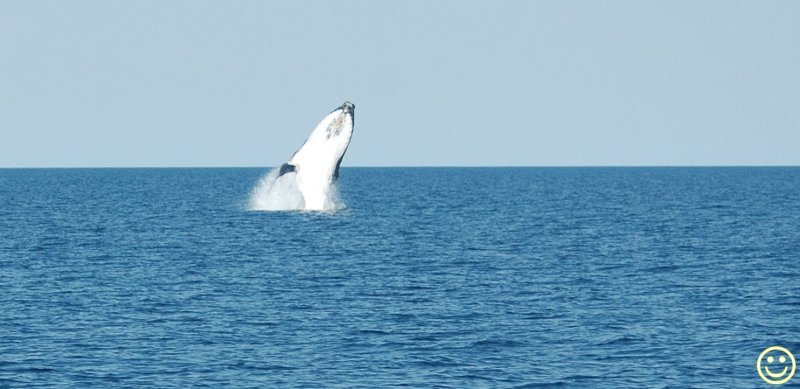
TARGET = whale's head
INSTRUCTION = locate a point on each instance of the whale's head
(347, 108)
(340, 121)
(322, 152)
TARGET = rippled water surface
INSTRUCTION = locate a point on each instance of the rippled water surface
(484, 277)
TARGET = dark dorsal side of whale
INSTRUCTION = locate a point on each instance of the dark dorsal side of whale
(349, 108)
(336, 170)
(287, 168)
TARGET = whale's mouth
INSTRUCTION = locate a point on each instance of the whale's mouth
(347, 107)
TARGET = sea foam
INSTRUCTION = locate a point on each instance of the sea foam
(274, 193)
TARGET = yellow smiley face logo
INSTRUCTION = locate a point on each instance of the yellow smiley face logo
(776, 365)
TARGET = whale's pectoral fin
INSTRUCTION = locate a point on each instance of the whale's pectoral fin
(287, 168)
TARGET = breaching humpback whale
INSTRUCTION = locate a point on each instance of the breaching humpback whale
(315, 165)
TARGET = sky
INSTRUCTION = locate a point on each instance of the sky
(436, 83)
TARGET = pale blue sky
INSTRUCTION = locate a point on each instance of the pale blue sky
(242, 83)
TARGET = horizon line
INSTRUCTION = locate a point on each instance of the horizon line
(404, 166)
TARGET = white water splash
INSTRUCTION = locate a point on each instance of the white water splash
(273, 193)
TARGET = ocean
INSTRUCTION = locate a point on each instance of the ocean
(430, 277)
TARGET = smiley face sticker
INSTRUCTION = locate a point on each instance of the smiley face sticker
(776, 365)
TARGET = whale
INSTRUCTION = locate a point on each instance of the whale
(315, 165)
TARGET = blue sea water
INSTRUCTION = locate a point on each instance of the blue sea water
(431, 277)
